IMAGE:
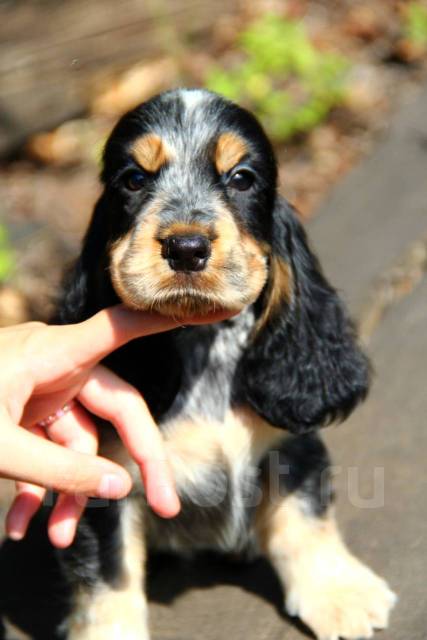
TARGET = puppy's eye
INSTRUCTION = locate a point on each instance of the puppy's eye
(134, 180)
(241, 180)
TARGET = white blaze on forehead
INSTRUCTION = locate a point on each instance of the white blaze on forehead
(194, 97)
(196, 131)
(199, 127)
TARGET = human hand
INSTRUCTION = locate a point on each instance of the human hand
(42, 369)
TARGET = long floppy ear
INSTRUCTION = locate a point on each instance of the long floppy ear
(304, 367)
(86, 287)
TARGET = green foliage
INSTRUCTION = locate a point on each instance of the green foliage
(415, 23)
(6, 255)
(283, 78)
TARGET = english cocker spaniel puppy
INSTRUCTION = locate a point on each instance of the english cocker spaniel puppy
(190, 222)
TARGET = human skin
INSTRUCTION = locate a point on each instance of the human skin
(42, 369)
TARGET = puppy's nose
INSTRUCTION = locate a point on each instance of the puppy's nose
(186, 253)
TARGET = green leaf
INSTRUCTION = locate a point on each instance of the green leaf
(289, 84)
(415, 23)
(6, 255)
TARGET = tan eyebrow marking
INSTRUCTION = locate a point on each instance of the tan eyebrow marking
(150, 152)
(230, 149)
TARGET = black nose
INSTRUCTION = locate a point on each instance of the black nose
(186, 253)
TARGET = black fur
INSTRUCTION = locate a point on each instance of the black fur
(300, 465)
(305, 369)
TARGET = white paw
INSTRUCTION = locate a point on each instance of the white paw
(338, 597)
(109, 615)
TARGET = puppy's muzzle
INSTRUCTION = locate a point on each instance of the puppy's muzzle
(186, 253)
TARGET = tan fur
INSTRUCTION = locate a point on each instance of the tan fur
(326, 586)
(189, 443)
(136, 264)
(151, 152)
(279, 290)
(236, 250)
(241, 436)
(230, 149)
(119, 611)
(185, 229)
(143, 279)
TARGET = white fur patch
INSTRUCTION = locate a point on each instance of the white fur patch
(193, 97)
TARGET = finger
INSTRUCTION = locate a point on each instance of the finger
(82, 345)
(27, 502)
(43, 405)
(79, 346)
(111, 328)
(47, 464)
(109, 397)
(75, 430)
(65, 516)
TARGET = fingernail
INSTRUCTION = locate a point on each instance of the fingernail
(167, 502)
(169, 494)
(16, 535)
(62, 533)
(111, 486)
(16, 525)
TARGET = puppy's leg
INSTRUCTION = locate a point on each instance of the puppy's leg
(326, 586)
(110, 604)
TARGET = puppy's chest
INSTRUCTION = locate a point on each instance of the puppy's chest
(216, 468)
(215, 449)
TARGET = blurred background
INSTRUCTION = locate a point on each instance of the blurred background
(324, 77)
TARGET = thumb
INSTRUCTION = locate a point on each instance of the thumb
(28, 458)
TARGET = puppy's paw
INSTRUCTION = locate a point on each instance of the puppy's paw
(338, 597)
(109, 615)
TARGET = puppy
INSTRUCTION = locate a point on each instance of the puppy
(190, 222)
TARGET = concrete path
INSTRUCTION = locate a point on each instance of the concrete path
(379, 209)
(372, 219)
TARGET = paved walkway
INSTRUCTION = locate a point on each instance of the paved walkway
(370, 223)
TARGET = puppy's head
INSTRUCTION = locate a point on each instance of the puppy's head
(190, 184)
(190, 222)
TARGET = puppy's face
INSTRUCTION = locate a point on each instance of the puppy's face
(190, 223)
(191, 183)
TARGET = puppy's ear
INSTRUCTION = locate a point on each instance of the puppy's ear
(303, 368)
(86, 287)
